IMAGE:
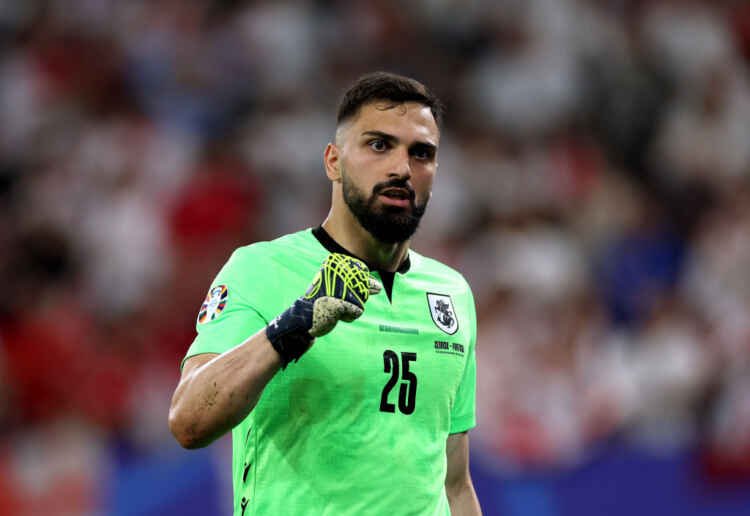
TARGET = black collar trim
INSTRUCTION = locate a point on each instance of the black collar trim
(334, 247)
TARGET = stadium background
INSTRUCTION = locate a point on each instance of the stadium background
(593, 186)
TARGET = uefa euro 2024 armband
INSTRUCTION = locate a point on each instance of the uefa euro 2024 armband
(338, 292)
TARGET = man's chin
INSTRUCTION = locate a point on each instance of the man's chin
(393, 226)
(396, 213)
(384, 218)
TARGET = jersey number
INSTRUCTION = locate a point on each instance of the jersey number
(407, 391)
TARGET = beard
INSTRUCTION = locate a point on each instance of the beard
(388, 224)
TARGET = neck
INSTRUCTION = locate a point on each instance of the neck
(346, 230)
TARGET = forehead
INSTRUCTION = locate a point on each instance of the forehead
(407, 120)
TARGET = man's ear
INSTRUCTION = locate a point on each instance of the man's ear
(332, 162)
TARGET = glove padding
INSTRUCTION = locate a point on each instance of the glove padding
(339, 291)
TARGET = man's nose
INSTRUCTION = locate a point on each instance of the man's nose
(402, 167)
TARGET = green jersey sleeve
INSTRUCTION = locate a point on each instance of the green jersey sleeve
(231, 311)
(463, 412)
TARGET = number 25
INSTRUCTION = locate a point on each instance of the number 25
(407, 391)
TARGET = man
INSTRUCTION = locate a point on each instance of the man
(372, 418)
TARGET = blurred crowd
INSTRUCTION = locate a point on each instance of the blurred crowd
(594, 187)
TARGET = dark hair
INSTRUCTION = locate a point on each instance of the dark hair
(390, 87)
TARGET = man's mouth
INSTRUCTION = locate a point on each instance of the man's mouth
(397, 193)
(401, 197)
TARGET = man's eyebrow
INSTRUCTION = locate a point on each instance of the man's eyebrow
(380, 134)
(392, 139)
(424, 145)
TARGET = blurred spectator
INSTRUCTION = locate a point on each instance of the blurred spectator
(671, 368)
(687, 38)
(640, 266)
(702, 139)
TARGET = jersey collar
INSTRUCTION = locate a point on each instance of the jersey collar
(332, 246)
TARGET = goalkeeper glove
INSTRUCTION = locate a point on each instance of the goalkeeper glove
(338, 292)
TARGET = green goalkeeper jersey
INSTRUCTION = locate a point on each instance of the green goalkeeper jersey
(359, 424)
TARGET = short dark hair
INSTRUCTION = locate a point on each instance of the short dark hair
(389, 87)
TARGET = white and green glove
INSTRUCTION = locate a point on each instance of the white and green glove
(338, 292)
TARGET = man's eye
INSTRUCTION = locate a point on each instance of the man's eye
(422, 153)
(378, 145)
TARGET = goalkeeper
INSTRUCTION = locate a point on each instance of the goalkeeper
(343, 362)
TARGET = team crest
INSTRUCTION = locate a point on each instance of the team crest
(216, 300)
(442, 312)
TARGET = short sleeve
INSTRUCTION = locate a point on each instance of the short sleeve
(230, 314)
(463, 412)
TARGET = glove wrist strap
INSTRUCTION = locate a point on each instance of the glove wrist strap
(289, 332)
